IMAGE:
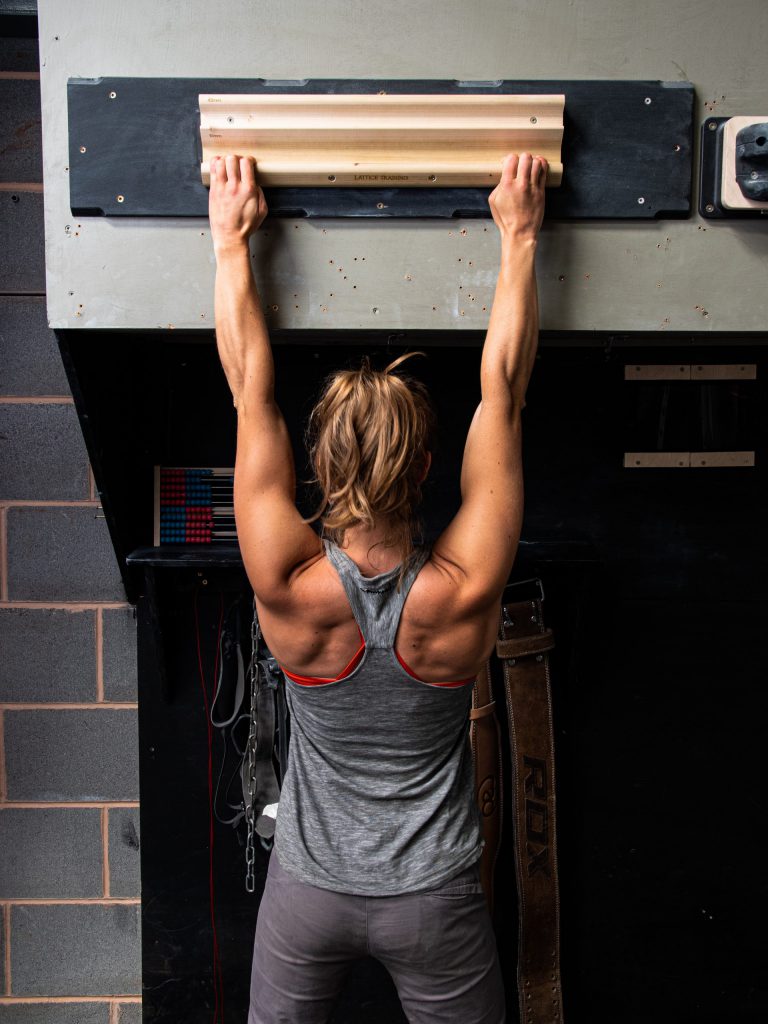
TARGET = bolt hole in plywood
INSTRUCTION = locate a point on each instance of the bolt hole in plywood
(373, 140)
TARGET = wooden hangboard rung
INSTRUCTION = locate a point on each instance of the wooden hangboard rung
(135, 148)
(369, 140)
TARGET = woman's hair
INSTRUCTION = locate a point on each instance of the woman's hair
(368, 438)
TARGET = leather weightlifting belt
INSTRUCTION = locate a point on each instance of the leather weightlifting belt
(523, 646)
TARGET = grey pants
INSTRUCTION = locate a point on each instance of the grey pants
(438, 946)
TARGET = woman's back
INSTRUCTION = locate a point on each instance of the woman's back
(443, 633)
(378, 797)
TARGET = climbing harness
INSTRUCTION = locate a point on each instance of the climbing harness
(267, 737)
(262, 761)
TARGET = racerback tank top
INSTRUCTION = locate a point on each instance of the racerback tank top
(378, 795)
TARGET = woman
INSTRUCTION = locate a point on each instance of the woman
(377, 840)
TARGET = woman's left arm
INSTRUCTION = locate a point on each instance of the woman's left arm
(273, 538)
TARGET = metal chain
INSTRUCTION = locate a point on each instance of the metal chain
(253, 671)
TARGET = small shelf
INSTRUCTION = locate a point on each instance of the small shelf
(187, 555)
(228, 555)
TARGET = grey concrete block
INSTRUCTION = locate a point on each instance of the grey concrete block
(119, 654)
(49, 654)
(129, 1013)
(72, 754)
(21, 136)
(30, 361)
(22, 235)
(124, 856)
(42, 453)
(50, 853)
(61, 554)
(54, 1013)
(75, 950)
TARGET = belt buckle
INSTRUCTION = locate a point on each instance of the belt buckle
(532, 589)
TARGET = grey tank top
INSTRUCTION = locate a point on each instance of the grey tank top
(378, 796)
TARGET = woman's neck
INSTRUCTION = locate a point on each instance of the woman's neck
(369, 550)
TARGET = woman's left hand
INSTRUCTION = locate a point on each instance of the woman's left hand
(236, 203)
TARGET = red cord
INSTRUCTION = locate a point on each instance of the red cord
(218, 984)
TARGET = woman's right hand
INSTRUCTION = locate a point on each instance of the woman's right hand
(517, 202)
(236, 203)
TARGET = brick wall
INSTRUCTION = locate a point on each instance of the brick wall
(70, 886)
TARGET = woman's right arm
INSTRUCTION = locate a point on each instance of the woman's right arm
(272, 535)
(478, 547)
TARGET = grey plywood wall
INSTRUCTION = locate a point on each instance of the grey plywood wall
(670, 275)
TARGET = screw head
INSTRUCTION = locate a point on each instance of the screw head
(710, 207)
(121, 199)
(648, 101)
(712, 125)
(641, 200)
(331, 177)
(112, 95)
(433, 177)
(534, 120)
(753, 175)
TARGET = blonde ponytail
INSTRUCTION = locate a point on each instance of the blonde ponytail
(368, 439)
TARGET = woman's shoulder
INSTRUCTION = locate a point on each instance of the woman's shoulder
(443, 591)
(444, 625)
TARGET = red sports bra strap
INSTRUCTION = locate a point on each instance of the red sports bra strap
(460, 682)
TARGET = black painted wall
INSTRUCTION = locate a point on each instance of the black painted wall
(654, 587)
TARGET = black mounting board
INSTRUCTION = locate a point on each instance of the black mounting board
(627, 150)
(710, 192)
